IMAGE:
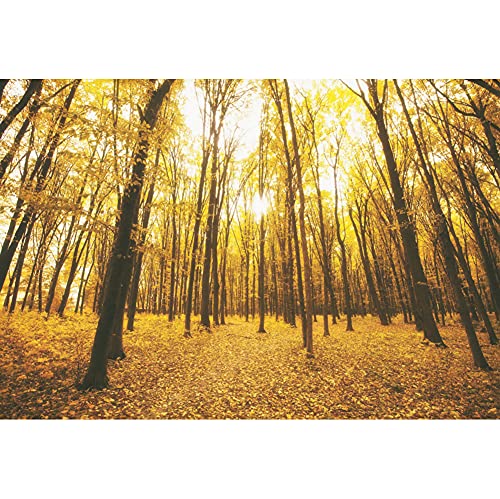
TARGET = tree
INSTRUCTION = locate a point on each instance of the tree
(445, 241)
(38, 177)
(376, 106)
(221, 95)
(341, 240)
(96, 376)
(34, 87)
(261, 202)
(308, 302)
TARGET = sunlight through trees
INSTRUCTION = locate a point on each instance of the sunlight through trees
(276, 200)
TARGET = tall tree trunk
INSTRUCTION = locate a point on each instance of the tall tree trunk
(215, 280)
(209, 238)
(366, 266)
(96, 376)
(406, 225)
(343, 254)
(134, 286)
(292, 233)
(194, 250)
(173, 276)
(446, 246)
(308, 296)
(262, 303)
(33, 87)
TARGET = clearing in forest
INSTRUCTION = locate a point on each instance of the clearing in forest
(374, 372)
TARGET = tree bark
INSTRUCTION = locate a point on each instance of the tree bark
(343, 255)
(308, 296)
(446, 246)
(406, 226)
(134, 286)
(96, 376)
(33, 87)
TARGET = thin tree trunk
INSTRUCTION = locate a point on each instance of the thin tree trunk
(308, 297)
(9, 156)
(366, 267)
(33, 87)
(134, 286)
(262, 304)
(343, 255)
(194, 250)
(19, 267)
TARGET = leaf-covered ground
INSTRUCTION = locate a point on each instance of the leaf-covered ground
(374, 372)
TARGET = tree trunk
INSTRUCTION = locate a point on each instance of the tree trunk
(194, 250)
(134, 286)
(19, 267)
(9, 156)
(173, 276)
(366, 268)
(83, 281)
(96, 376)
(33, 87)
(308, 298)
(77, 254)
(343, 255)
(209, 238)
(262, 303)
(406, 226)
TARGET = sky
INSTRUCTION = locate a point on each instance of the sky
(246, 120)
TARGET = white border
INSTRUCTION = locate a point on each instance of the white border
(193, 39)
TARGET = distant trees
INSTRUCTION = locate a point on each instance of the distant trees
(32, 182)
(220, 95)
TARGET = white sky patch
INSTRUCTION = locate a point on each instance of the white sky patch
(260, 205)
(245, 118)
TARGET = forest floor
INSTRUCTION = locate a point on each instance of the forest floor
(234, 372)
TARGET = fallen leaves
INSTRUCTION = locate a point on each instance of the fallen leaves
(374, 372)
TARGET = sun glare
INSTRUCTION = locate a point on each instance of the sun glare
(259, 205)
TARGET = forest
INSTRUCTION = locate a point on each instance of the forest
(224, 248)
